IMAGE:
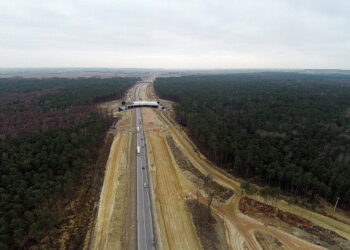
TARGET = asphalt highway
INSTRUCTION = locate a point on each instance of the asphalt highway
(145, 234)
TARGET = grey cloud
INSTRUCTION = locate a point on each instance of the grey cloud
(208, 34)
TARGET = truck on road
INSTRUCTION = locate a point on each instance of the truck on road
(138, 150)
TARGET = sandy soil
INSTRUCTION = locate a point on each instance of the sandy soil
(240, 229)
(268, 242)
(170, 186)
(115, 222)
(175, 226)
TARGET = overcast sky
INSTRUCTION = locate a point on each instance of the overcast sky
(175, 34)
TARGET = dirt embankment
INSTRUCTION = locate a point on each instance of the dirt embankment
(86, 206)
(173, 223)
(239, 228)
(292, 223)
(114, 226)
(221, 193)
(77, 216)
(208, 227)
(268, 242)
(176, 230)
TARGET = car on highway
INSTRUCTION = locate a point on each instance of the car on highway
(145, 185)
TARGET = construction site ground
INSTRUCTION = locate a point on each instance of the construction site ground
(115, 224)
(240, 228)
(268, 242)
(293, 224)
(175, 181)
(210, 228)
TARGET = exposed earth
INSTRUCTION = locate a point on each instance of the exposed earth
(180, 174)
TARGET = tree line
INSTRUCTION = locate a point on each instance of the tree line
(32, 105)
(286, 130)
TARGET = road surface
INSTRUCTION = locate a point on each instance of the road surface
(145, 234)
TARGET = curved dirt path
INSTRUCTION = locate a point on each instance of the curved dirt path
(203, 165)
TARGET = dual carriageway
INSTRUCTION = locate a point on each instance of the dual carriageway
(145, 232)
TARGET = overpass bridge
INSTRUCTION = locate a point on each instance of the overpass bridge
(140, 104)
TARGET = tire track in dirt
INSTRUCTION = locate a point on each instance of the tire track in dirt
(240, 227)
(179, 230)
